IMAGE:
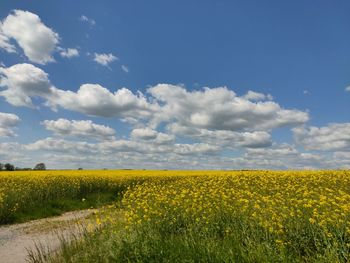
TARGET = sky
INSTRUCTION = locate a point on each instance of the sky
(175, 84)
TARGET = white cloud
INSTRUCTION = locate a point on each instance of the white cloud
(216, 119)
(95, 100)
(342, 155)
(209, 109)
(104, 59)
(144, 134)
(147, 134)
(347, 88)
(23, 81)
(69, 53)
(335, 136)
(125, 69)
(220, 109)
(195, 148)
(60, 145)
(214, 116)
(227, 139)
(281, 156)
(7, 122)
(118, 146)
(84, 18)
(12, 152)
(5, 42)
(79, 128)
(36, 39)
(60, 153)
(271, 153)
(256, 96)
(122, 154)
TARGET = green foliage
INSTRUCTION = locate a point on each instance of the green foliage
(31, 195)
(149, 243)
(59, 206)
(40, 167)
(9, 167)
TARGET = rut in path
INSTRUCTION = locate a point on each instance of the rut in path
(16, 240)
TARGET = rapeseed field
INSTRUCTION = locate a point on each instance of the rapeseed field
(202, 216)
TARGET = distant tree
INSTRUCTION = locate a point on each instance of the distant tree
(40, 167)
(1, 167)
(9, 167)
(23, 169)
(80, 168)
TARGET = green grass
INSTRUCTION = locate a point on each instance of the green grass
(59, 206)
(150, 243)
(25, 196)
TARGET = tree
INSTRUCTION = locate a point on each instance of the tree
(40, 167)
(9, 167)
(1, 166)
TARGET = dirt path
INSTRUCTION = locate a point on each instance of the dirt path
(16, 240)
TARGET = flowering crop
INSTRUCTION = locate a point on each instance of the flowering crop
(32, 189)
(307, 212)
(200, 216)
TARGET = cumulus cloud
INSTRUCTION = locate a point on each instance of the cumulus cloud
(147, 134)
(104, 59)
(118, 146)
(220, 109)
(280, 156)
(12, 152)
(147, 154)
(228, 139)
(195, 148)
(335, 136)
(342, 156)
(7, 122)
(85, 19)
(5, 42)
(144, 134)
(210, 108)
(215, 119)
(79, 128)
(23, 81)
(61, 145)
(36, 39)
(95, 100)
(256, 96)
(143, 151)
(123, 154)
(347, 88)
(277, 150)
(69, 53)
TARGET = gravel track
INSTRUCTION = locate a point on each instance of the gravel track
(16, 240)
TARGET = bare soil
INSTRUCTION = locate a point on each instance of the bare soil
(16, 240)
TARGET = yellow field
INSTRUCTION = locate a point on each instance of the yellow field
(273, 200)
(294, 215)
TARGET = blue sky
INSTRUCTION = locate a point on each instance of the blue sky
(173, 59)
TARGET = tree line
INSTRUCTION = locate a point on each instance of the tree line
(11, 167)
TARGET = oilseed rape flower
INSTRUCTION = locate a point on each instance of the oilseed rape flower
(301, 211)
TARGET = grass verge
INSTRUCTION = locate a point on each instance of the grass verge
(59, 206)
(115, 242)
